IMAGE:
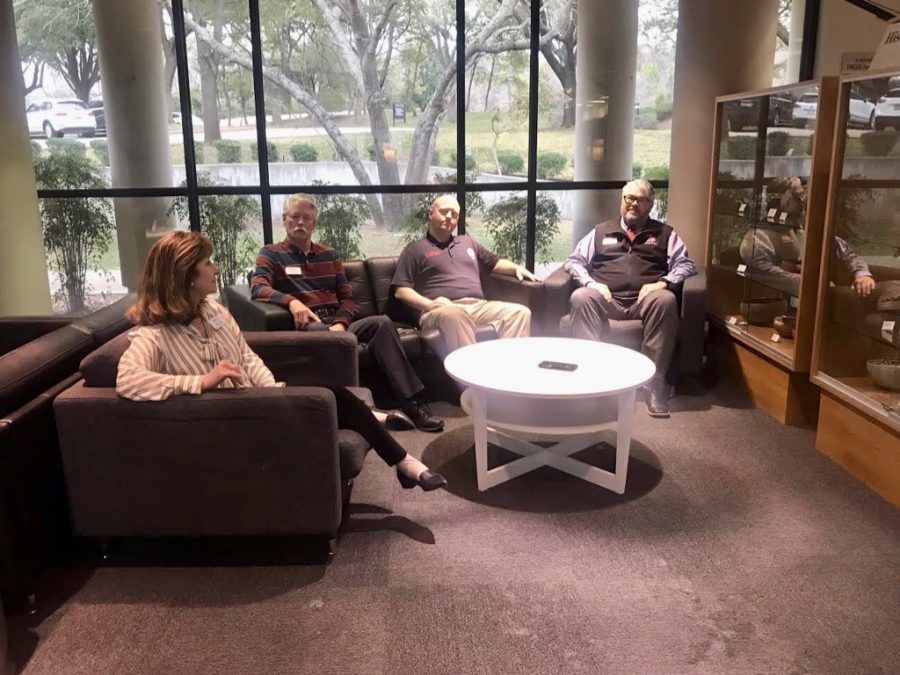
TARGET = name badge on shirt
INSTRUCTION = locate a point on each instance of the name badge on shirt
(609, 240)
(216, 322)
(293, 270)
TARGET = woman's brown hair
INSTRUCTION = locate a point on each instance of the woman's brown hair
(164, 296)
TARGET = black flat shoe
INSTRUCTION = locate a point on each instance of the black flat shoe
(428, 480)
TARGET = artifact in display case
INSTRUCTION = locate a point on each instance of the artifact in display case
(766, 218)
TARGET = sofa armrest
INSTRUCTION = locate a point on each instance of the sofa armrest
(692, 330)
(237, 462)
(509, 289)
(558, 286)
(253, 315)
(308, 358)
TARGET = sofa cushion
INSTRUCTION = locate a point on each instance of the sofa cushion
(381, 273)
(100, 366)
(362, 292)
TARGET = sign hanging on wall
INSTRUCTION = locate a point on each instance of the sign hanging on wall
(887, 55)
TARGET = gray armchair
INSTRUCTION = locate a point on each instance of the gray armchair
(688, 357)
(258, 461)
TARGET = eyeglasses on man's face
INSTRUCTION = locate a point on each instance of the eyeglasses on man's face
(635, 199)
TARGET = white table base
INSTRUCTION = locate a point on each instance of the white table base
(475, 403)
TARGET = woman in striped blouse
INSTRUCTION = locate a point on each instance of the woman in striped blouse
(187, 343)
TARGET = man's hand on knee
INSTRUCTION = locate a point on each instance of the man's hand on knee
(603, 289)
(437, 303)
(646, 289)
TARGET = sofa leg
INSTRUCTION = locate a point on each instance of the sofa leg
(31, 602)
(332, 548)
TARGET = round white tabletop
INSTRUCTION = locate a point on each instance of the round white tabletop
(512, 367)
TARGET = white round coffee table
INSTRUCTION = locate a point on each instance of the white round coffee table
(507, 389)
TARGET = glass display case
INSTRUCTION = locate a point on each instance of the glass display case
(766, 217)
(857, 348)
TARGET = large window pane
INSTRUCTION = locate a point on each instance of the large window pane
(224, 112)
(497, 86)
(347, 94)
(77, 95)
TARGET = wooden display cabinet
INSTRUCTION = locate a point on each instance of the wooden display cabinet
(768, 194)
(856, 354)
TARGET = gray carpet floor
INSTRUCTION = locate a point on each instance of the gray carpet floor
(736, 548)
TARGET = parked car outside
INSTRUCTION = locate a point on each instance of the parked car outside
(95, 108)
(861, 111)
(887, 110)
(195, 121)
(745, 113)
(53, 119)
(804, 114)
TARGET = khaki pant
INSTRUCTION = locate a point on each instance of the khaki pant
(457, 322)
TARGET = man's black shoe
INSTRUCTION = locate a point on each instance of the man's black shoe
(657, 405)
(421, 416)
(397, 421)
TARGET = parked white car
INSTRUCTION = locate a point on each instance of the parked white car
(52, 119)
(887, 110)
(861, 112)
(804, 114)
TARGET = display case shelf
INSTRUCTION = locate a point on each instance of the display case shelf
(766, 218)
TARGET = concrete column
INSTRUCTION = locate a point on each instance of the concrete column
(795, 42)
(24, 285)
(604, 116)
(136, 107)
(723, 47)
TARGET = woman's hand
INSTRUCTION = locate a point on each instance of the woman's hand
(337, 327)
(222, 371)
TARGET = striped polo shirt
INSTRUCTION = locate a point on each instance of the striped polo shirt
(284, 272)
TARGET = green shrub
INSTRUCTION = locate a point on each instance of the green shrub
(225, 219)
(646, 119)
(659, 172)
(551, 164)
(35, 150)
(470, 161)
(878, 143)
(303, 152)
(340, 219)
(229, 152)
(66, 146)
(663, 110)
(510, 162)
(778, 143)
(77, 232)
(505, 220)
(636, 169)
(741, 147)
(101, 151)
(271, 150)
